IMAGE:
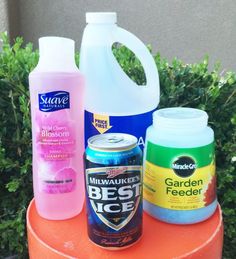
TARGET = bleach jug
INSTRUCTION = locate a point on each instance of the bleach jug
(113, 102)
(57, 112)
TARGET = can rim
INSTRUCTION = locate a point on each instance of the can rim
(123, 142)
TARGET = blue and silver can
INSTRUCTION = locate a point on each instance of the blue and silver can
(113, 183)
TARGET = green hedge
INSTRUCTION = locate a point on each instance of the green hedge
(181, 85)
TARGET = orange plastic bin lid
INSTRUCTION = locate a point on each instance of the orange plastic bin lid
(69, 239)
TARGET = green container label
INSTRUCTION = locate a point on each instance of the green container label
(180, 178)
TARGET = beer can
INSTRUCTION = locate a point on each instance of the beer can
(113, 183)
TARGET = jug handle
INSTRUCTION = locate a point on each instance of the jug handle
(140, 50)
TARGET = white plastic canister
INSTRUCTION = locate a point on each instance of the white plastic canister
(179, 166)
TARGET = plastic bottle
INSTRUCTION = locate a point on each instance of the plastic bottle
(57, 93)
(113, 102)
(179, 167)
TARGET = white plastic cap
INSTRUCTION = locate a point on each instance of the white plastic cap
(180, 118)
(101, 17)
(57, 54)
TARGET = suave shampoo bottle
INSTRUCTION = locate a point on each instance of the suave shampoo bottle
(56, 94)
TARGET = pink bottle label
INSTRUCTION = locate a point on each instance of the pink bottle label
(62, 181)
(56, 146)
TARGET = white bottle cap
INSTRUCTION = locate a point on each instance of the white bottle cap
(56, 54)
(101, 17)
(180, 118)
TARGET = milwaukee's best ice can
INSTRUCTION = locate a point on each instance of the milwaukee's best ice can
(113, 182)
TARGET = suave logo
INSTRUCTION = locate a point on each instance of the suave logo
(54, 101)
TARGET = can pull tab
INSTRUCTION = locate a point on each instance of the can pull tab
(115, 139)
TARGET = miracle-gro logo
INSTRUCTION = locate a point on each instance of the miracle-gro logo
(54, 101)
(184, 166)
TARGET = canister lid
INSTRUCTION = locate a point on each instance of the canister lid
(112, 142)
(180, 118)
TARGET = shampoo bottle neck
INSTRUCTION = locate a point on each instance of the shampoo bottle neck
(56, 54)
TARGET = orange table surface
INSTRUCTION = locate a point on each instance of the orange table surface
(68, 239)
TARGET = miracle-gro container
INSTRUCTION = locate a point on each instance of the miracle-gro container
(179, 167)
(113, 102)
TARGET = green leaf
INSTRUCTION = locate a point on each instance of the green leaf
(13, 185)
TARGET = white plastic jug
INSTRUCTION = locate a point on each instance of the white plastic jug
(113, 102)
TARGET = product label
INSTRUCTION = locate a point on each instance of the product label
(55, 143)
(180, 178)
(135, 125)
(54, 101)
(114, 205)
(63, 181)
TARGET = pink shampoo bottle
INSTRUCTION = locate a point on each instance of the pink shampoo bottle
(57, 94)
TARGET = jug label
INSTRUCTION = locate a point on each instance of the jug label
(180, 178)
(135, 125)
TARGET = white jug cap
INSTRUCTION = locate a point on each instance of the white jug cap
(101, 17)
